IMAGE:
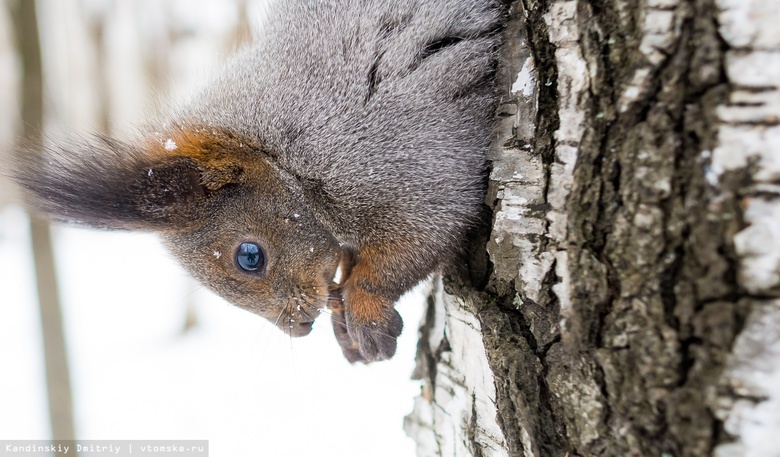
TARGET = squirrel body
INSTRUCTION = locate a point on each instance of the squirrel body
(352, 135)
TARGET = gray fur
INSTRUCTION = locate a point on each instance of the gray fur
(368, 121)
(408, 156)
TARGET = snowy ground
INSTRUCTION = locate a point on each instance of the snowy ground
(233, 379)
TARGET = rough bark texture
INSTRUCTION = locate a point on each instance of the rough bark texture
(632, 304)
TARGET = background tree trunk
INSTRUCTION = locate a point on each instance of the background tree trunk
(58, 386)
(632, 307)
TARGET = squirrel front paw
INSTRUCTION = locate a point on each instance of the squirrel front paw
(377, 339)
(364, 336)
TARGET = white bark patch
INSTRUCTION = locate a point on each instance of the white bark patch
(561, 179)
(743, 145)
(636, 89)
(661, 4)
(658, 35)
(750, 133)
(752, 412)
(758, 246)
(749, 142)
(515, 221)
(525, 82)
(464, 397)
(520, 174)
(573, 84)
(753, 24)
(757, 69)
(660, 30)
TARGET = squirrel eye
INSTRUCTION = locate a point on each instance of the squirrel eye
(250, 257)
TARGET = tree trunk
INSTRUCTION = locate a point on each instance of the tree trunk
(632, 307)
(58, 388)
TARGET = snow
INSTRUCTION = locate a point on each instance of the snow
(23, 414)
(170, 145)
(233, 379)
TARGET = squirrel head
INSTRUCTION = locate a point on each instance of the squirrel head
(234, 220)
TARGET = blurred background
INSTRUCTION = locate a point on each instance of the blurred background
(102, 336)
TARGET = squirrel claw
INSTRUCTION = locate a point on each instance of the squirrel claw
(349, 347)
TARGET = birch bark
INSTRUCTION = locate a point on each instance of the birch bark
(632, 307)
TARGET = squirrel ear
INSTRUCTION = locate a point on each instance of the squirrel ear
(168, 192)
(109, 184)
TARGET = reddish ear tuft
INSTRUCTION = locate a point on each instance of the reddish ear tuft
(217, 152)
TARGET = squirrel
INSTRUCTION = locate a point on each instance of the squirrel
(349, 138)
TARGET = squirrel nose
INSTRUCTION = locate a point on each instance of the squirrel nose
(298, 329)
